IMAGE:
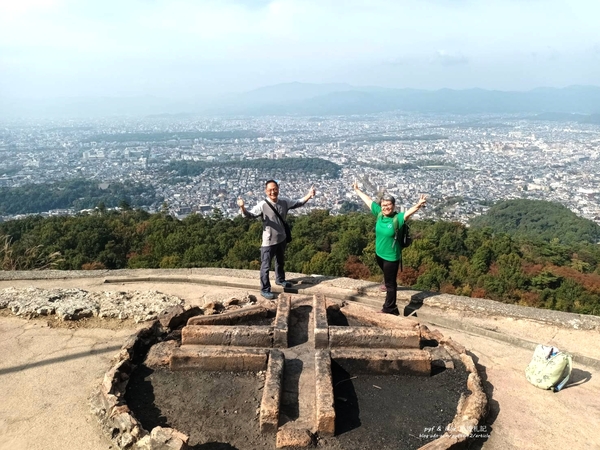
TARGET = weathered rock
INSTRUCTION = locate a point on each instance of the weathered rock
(383, 361)
(440, 357)
(293, 437)
(269, 406)
(321, 328)
(235, 359)
(242, 336)
(160, 354)
(162, 439)
(232, 317)
(366, 315)
(280, 338)
(177, 315)
(232, 301)
(371, 337)
(74, 304)
(325, 410)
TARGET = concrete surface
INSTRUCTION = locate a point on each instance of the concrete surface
(47, 372)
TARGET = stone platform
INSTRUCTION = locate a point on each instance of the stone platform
(47, 372)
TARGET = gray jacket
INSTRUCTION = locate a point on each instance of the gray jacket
(273, 231)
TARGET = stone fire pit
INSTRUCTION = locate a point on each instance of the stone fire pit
(291, 374)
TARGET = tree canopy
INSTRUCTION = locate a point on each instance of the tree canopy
(444, 257)
(77, 194)
(538, 219)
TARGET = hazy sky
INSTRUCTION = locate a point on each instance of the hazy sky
(178, 48)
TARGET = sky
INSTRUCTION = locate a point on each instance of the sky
(197, 48)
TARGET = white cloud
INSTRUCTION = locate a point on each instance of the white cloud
(449, 58)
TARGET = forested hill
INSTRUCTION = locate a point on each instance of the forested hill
(76, 194)
(445, 257)
(538, 219)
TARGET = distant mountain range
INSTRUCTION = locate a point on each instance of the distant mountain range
(340, 99)
(576, 103)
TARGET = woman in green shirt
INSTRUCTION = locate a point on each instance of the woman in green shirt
(387, 250)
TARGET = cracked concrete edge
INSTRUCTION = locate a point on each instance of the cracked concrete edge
(446, 322)
(337, 287)
(108, 404)
(364, 292)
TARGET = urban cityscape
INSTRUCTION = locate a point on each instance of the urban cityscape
(462, 163)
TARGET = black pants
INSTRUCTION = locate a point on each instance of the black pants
(390, 274)
(266, 256)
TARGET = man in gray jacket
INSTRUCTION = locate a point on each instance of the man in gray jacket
(273, 236)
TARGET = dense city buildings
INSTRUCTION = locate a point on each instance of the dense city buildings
(463, 163)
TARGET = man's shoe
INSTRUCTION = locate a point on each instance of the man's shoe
(267, 294)
(284, 284)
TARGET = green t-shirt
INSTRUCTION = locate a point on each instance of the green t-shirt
(386, 246)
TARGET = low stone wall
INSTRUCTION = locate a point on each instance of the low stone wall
(126, 432)
(471, 408)
(109, 406)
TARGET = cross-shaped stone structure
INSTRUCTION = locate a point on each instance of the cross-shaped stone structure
(297, 350)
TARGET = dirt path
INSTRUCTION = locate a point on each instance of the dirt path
(46, 376)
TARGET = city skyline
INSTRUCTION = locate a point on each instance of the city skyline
(198, 164)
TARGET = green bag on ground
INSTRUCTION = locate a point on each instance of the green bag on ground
(549, 368)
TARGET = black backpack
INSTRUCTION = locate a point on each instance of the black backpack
(403, 236)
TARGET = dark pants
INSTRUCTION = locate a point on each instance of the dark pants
(390, 274)
(266, 255)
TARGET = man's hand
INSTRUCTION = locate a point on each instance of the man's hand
(240, 202)
(355, 186)
(312, 192)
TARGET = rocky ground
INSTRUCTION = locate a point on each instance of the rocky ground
(74, 304)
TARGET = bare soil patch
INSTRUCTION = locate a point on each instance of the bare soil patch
(217, 410)
(393, 412)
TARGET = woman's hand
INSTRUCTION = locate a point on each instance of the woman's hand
(420, 204)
